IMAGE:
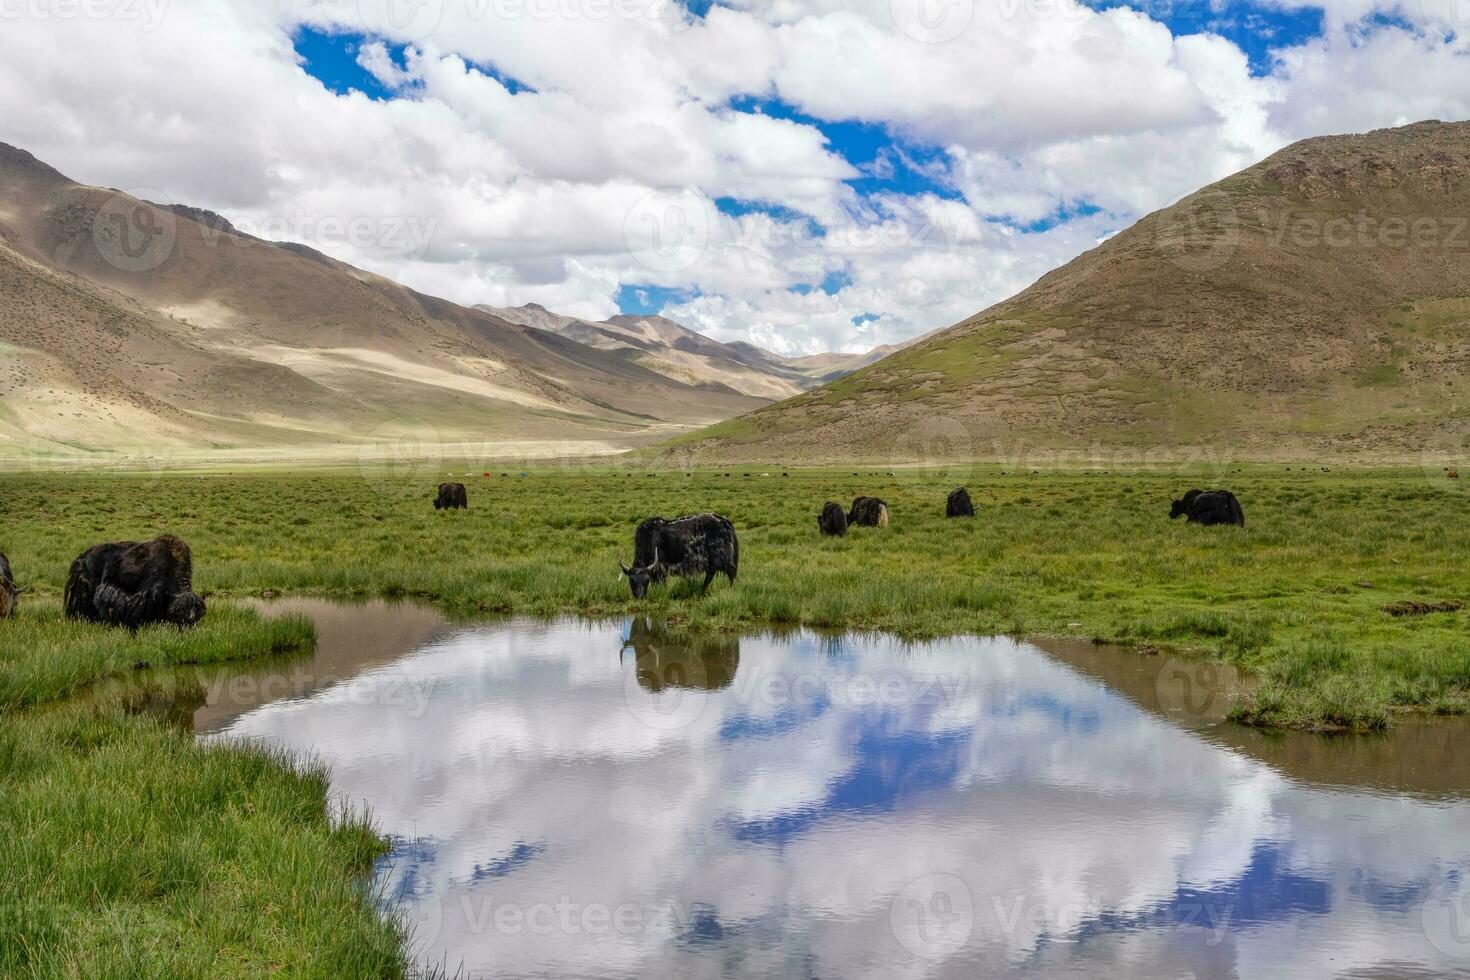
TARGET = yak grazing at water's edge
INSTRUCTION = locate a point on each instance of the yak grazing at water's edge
(960, 504)
(452, 496)
(8, 591)
(1208, 507)
(132, 584)
(685, 547)
(833, 520)
(868, 512)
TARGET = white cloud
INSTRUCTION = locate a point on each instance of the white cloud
(517, 194)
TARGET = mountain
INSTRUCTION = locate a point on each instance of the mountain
(129, 328)
(1315, 305)
(677, 352)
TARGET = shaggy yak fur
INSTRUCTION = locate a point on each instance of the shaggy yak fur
(868, 512)
(1208, 507)
(452, 496)
(8, 591)
(132, 584)
(960, 504)
(832, 520)
(686, 547)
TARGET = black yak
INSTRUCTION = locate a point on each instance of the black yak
(868, 512)
(685, 547)
(8, 591)
(452, 496)
(1208, 507)
(132, 584)
(960, 504)
(832, 520)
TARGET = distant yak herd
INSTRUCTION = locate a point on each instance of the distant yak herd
(135, 584)
(707, 545)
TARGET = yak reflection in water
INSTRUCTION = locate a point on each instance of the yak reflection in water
(666, 657)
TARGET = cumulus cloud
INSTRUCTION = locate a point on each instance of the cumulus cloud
(528, 150)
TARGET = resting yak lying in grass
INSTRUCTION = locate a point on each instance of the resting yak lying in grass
(8, 591)
(132, 584)
(832, 521)
(686, 547)
(452, 496)
(1208, 507)
(868, 512)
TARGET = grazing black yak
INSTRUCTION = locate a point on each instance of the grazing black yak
(1209, 507)
(832, 520)
(452, 496)
(8, 591)
(868, 512)
(960, 504)
(685, 547)
(132, 584)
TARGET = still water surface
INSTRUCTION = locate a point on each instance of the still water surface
(574, 799)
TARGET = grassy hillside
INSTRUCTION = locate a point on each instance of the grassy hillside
(1315, 305)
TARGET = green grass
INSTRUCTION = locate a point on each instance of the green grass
(1296, 598)
(46, 657)
(127, 849)
(131, 851)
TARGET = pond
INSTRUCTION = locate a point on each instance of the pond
(618, 799)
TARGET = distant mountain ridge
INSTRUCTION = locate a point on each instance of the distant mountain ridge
(685, 355)
(1315, 305)
(131, 329)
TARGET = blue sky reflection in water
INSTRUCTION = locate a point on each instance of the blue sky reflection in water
(804, 806)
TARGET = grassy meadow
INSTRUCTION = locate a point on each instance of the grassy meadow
(127, 849)
(1298, 597)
